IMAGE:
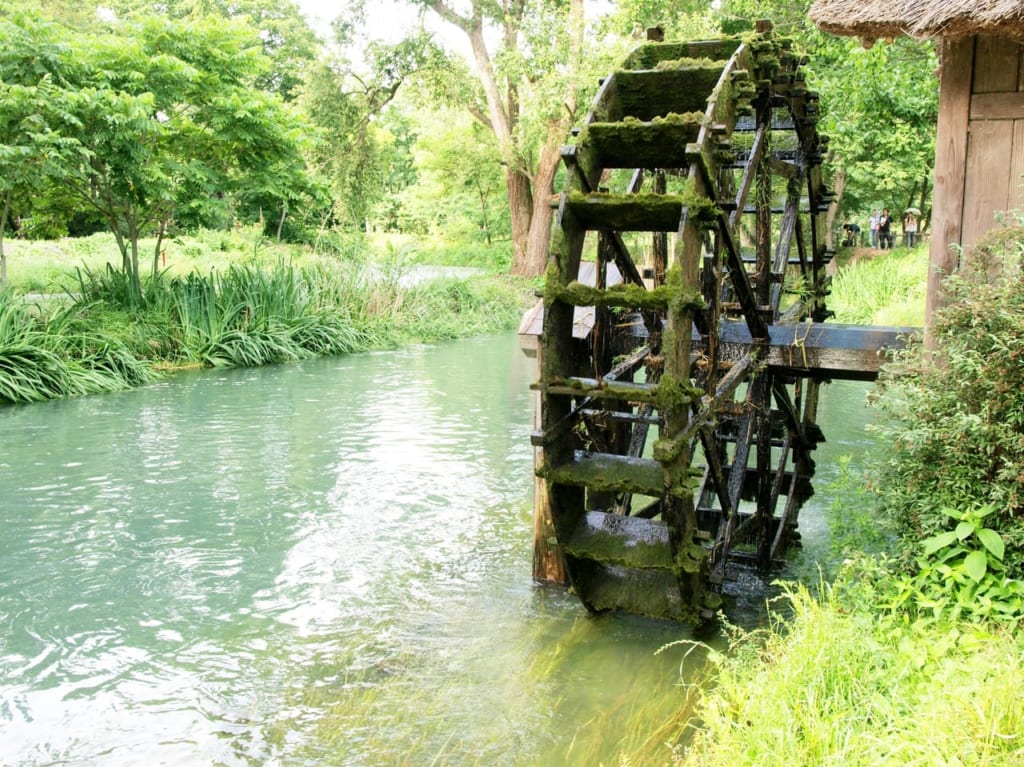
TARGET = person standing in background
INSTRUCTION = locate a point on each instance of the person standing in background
(909, 229)
(885, 230)
(873, 227)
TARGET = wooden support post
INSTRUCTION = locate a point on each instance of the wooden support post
(957, 57)
(548, 563)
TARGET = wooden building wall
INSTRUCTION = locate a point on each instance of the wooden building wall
(979, 164)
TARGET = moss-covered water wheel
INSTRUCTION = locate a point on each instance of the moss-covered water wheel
(670, 451)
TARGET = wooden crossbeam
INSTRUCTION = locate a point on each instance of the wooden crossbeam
(819, 349)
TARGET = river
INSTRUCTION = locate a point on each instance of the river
(323, 563)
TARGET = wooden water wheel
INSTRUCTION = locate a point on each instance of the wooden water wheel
(690, 233)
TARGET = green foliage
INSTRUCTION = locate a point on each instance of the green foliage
(159, 119)
(831, 683)
(455, 161)
(59, 356)
(886, 289)
(956, 419)
(961, 574)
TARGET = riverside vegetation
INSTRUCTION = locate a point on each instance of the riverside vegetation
(245, 308)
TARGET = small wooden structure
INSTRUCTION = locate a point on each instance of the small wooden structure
(979, 160)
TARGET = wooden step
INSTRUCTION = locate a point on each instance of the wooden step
(650, 93)
(653, 593)
(627, 213)
(613, 539)
(660, 143)
(649, 55)
(608, 472)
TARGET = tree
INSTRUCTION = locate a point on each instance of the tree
(528, 56)
(166, 119)
(348, 108)
(284, 34)
(454, 159)
(30, 62)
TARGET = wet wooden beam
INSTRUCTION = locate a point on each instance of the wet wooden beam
(820, 349)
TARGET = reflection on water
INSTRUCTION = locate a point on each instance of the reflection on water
(322, 563)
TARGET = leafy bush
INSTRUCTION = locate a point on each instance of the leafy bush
(955, 419)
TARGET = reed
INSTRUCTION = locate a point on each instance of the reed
(59, 356)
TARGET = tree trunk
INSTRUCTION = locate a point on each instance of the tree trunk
(520, 203)
(539, 234)
(838, 185)
(159, 244)
(280, 223)
(3, 255)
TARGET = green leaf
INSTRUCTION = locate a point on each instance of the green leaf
(975, 565)
(940, 541)
(964, 530)
(992, 541)
(984, 511)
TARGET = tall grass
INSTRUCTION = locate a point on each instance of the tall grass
(244, 315)
(835, 685)
(60, 356)
(888, 289)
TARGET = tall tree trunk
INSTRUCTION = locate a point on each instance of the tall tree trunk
(280, 223)
(539, 234)
(838, 185)
(3, 254)
(520, 202)
(528, 188)
(160, 232)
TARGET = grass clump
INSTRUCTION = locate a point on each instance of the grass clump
(59, 356)
(104, 336)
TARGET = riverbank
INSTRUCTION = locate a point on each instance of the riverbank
(242, 315)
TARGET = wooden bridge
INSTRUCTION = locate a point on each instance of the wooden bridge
(678, 393)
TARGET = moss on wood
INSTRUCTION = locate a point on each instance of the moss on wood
(626, 295)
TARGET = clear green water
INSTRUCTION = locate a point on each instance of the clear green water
(324, 563)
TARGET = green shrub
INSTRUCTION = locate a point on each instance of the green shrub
(955, 420)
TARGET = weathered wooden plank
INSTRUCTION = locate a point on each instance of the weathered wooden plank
(660, 143)
(950, 163)
(627, 213)
(650, 55)
(654, 93)
(653, 593)
(996, 59)
(604, 389)
(987, 187)
(819, 349)
(615, 539)
(604, 471)
(1015, 201)
(997, 106)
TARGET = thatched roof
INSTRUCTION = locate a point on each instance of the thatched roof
(874, 19)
